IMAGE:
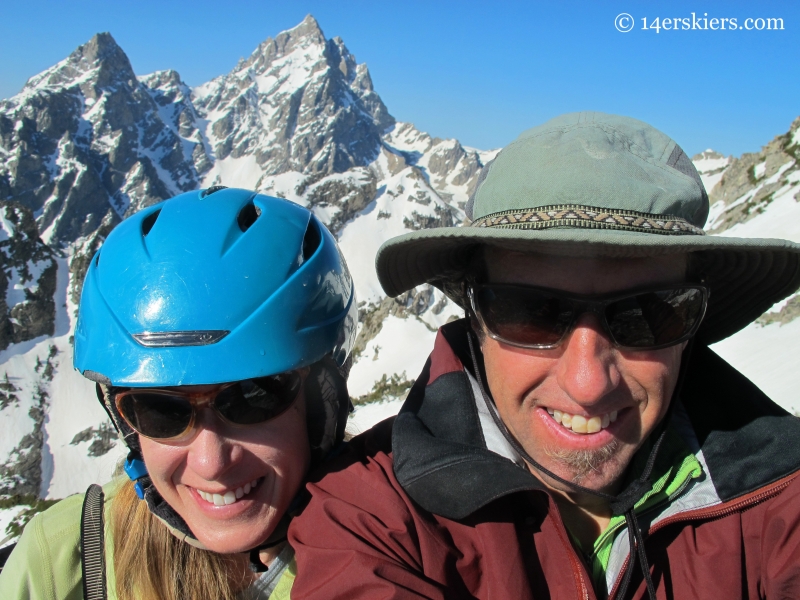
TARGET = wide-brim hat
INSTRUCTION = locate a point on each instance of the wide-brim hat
(596, 185)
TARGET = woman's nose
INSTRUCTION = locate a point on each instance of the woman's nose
(211, 452)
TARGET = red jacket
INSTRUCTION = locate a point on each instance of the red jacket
(423, 506)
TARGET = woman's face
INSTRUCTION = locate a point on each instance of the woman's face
(224, 460)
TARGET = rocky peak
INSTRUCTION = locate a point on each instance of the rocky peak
(86, 139)
(450, 169)
(711, 166)
(749, 184)
(96, 65)
(167, 80)
(707, 155)
(340, 57)
(299, 103)
(305, 35)
(357, 78)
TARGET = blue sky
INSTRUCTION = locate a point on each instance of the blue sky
(475, 71)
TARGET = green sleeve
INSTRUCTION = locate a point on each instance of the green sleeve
(46, 564)
(284, 587)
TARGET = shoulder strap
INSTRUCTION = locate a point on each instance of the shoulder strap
(93, 562)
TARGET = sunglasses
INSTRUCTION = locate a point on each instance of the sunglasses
(531, 317)
(170, 414)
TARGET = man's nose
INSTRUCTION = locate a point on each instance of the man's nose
(587, 369)
(211, 453)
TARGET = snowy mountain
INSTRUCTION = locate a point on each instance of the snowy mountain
(758, 196)
(86, 143)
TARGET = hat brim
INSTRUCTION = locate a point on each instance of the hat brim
(746, 276)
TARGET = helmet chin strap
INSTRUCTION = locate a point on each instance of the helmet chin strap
(620, 504)
(278, 536)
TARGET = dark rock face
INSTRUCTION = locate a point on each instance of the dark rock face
(328, 121)
(103, 439)
(28, 279)
(86, 143)
(86, 140)
(22, 472)
(177, 112)
(351, 196)
(442, 218)
(83, 251)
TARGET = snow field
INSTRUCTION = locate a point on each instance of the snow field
(367, 415)
(769, 357)
(382, 219)
(781, 219)
(7, 515)
(74, 407)
(402, 345)
(71, 406)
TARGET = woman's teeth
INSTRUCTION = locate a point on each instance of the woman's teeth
(230, 496)
(579, 424)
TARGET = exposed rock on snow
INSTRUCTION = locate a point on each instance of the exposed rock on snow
(754, 182)
(28, 279)
(86, 140)
(711, 166)
(298, 103)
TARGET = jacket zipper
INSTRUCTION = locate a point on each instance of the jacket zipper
(747, 501)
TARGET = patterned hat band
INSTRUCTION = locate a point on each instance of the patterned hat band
(592, 217)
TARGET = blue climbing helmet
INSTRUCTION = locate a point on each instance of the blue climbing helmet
(214, 286)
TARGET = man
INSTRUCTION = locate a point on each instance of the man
(576, 412)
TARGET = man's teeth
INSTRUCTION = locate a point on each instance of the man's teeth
(579, 424)
(230, 496)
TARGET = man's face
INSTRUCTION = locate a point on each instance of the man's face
(586, 376)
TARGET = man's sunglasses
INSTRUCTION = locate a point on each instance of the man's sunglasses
(170, 414)
(531, 317)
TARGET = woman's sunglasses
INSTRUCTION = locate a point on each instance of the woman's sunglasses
(531, 317)
(170, 414)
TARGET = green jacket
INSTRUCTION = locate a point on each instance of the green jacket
(46, 564)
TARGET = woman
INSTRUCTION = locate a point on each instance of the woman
(217, 326)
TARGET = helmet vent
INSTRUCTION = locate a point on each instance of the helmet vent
(248, 215)
(212, 189)
(311, 240)
(149, 221)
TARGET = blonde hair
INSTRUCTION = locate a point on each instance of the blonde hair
(152, 564)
